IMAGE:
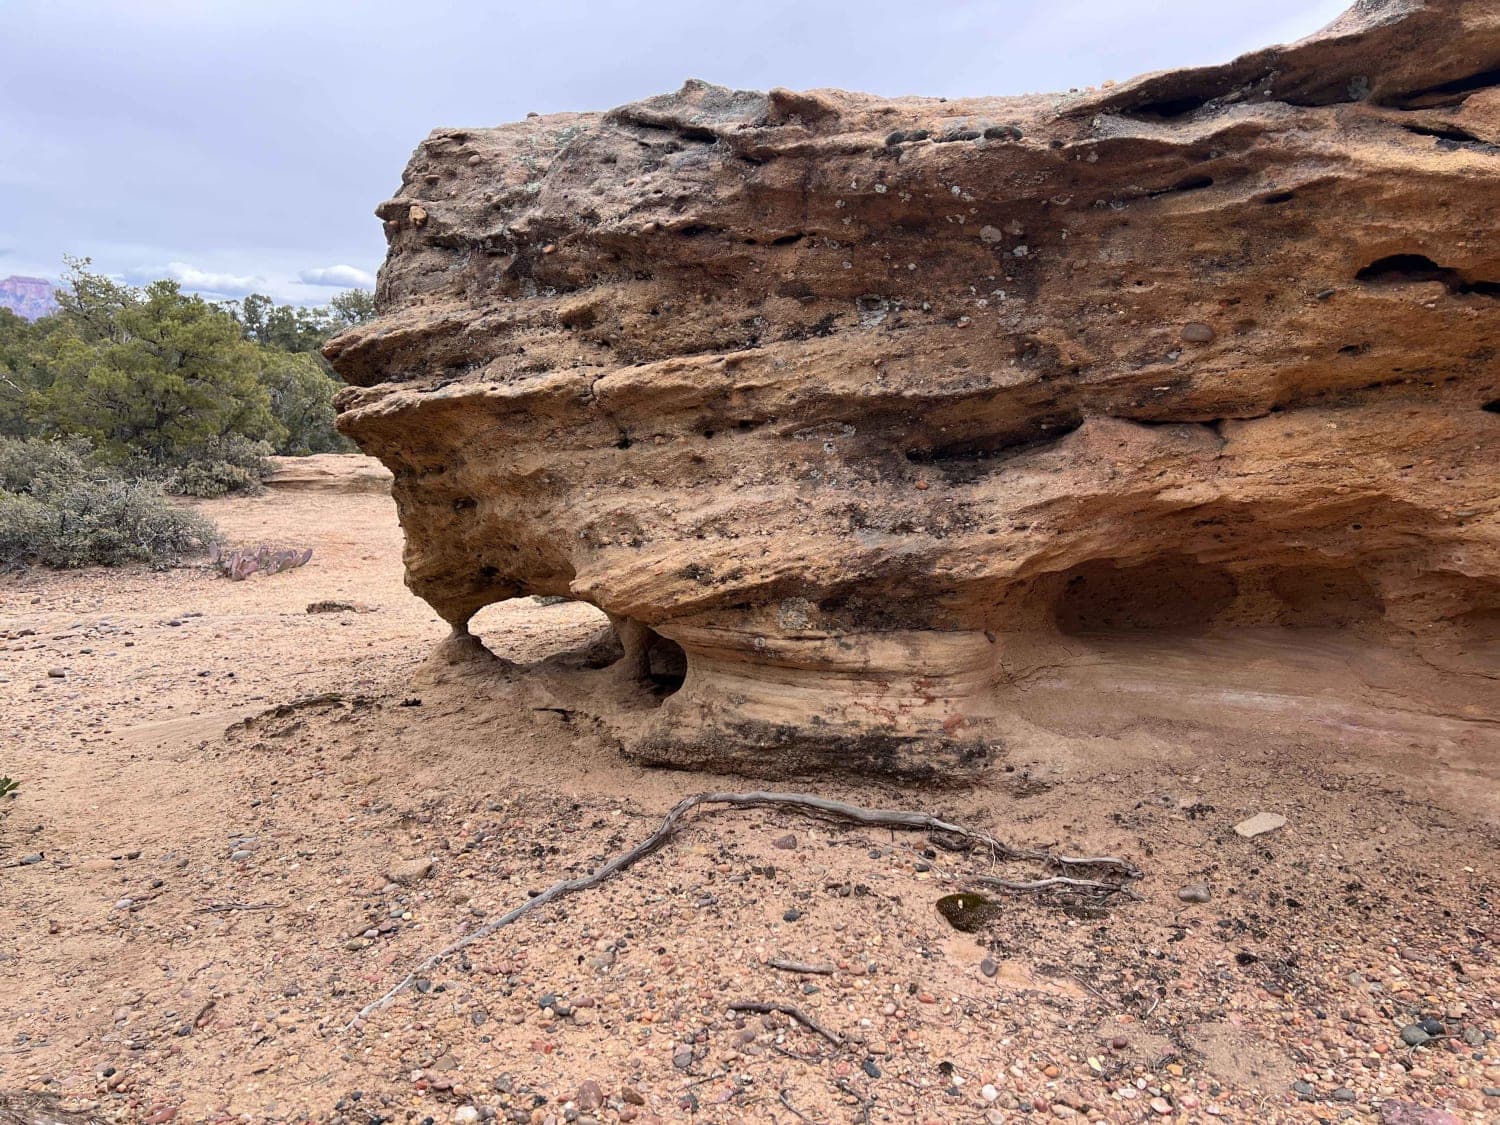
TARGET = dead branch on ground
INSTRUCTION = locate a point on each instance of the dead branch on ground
(801, 967)
(801, 802)
(766, 1007)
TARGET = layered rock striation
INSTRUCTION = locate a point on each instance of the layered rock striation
(860, 405)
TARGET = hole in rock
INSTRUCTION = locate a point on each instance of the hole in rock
(963, 459)
(1324, 596)
(1166, 108)
(1278, 197)
(530, 629)
(1492, 407)
(667, 663)
(1448, 93)
(1192, 183)
(1444, 133)
(1172, 593)
(1398, 269)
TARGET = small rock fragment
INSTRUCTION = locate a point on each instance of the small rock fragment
(1413, 1035)
(1260, 824)
(409, 871)
(590, 1096)
(1194, 892)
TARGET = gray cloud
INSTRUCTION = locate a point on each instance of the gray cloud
(342, 277)
(207, 281)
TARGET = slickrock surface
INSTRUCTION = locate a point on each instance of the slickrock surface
(872, 408)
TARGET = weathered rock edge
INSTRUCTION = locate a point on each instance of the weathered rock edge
(865, 404)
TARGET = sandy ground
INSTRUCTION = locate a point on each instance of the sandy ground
(193, 906)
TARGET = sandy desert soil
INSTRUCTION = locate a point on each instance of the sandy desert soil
(198, 892)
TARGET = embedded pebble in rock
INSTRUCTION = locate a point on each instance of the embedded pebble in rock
(1196, 332)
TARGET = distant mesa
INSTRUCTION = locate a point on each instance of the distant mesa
(28, 297)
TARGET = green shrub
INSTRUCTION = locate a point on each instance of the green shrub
(32, 464)
(221, 465)
(58, 509)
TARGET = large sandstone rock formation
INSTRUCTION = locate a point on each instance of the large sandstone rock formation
(872, 405)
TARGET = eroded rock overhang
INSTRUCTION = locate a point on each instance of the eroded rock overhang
(863, 402)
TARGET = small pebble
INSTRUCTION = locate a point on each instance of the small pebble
(1413, 1035)
(1194, 892)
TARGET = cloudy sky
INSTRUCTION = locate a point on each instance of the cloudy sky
(240, 145)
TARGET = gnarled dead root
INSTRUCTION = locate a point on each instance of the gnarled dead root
(806, 803)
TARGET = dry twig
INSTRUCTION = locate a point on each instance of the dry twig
(800, 802)
(801, 967)
(781, 1096)
(1094, 886)
(765, 1007)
